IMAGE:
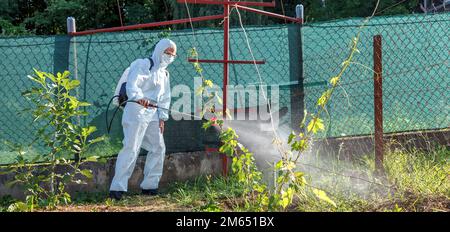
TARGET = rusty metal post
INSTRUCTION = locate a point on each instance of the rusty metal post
(378, 102)
(226, 44)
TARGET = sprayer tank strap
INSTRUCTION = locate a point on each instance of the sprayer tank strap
(151, 63)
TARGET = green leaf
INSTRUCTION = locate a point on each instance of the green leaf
(73, 102)
(334, 81)
(65, 74)
(81, 113)
(321, 195)
(80, 104)
(72, 84)
(300, 145)
(278, 165)
(98, 139)
(36, 80)
(40, 74)
(193, 52)
(324, 98)
(87, 173)
(315, 125)
(18, 207)
(286, 197)
(86, 131)
(291, 137)
(51, 77)
(207, 124)
(208, 83)
(92, 159)
(299, 178)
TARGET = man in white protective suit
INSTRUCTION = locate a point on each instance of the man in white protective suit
(143, 124)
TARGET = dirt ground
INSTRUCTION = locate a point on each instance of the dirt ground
(162, 204)
(417, 204)
(128, 204)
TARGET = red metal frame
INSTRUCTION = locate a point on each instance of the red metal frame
(226, 28)
(242, 3)
(295, 20)
(147, 25)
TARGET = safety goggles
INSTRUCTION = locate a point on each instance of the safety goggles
(170, 54)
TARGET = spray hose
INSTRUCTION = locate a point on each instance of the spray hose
(109, 123)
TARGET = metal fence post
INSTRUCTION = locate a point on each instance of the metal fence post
(71, 28)
(226, 49)
(296, 70)
(378, 102)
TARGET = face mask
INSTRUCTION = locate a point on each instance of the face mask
(166, 59)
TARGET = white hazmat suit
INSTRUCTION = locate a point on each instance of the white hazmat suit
(141, 125)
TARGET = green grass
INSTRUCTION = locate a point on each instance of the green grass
(207, 193)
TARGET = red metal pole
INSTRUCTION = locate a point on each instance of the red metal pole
(226, 29)
(296, 20)
(243, 3)
(147, 25)
(378, 102)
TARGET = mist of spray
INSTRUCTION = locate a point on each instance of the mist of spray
(345, 176)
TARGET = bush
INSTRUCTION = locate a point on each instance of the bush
(63, 137)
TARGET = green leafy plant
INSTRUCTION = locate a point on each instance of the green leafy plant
(8, 29)
(57, 109)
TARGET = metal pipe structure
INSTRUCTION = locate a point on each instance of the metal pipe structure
(226, 2)
(147, 25)
(274, 15)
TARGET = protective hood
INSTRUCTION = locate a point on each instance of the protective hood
(159, 51)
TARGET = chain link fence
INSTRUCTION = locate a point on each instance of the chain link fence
(299, 61)
(416, 77)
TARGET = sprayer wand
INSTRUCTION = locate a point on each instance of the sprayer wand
(109, 123)
(159, 107)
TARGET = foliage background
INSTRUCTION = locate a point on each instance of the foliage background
(45, 17)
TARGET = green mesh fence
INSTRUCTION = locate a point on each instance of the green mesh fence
(298, 61)
(416, 77)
